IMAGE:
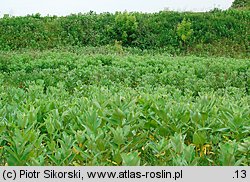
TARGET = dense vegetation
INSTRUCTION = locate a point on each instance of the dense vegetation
(109, 89)
(223, 33)
(241, 4)
(83, 108)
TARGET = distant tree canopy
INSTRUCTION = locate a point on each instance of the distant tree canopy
(241, 4)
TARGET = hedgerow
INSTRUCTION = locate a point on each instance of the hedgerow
(215, 32)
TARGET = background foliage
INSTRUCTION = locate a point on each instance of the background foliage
(215, 33)
(241, 4)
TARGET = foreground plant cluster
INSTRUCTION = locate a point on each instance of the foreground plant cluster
(65, 108)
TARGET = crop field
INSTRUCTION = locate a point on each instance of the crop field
(81, 108)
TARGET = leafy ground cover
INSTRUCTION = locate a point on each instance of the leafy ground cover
(82, 108)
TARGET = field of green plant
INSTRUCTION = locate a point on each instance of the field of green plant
(95, 108)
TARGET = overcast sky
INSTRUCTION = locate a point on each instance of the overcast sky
(65, 7)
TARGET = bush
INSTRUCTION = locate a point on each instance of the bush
(184, 31)
(125, 28)
(241, 4)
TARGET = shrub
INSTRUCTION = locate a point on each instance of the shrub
(125, 27)
(184, 31)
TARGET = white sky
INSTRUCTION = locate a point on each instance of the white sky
(65, 7)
